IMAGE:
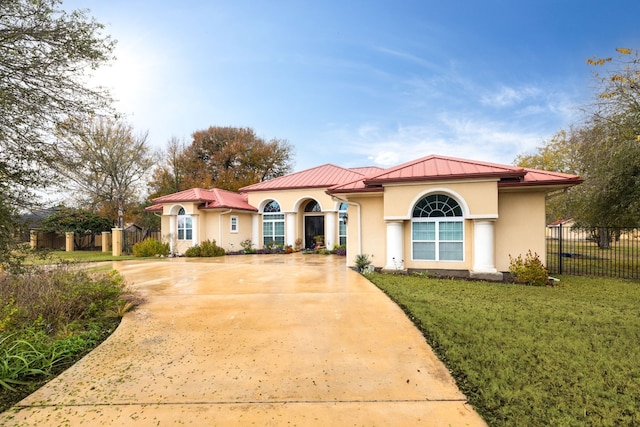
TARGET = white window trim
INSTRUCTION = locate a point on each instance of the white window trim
(437, 241)
(234, 224)
(184, 229)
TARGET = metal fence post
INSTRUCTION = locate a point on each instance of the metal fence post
(560, 248)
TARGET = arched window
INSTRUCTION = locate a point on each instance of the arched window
(437, 229)
(185, 225)
(312, 206)
(342, 224)
(272, 224)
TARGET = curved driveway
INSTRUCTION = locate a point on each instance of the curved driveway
(264, 340)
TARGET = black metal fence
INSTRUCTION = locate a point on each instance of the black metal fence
(595, 251)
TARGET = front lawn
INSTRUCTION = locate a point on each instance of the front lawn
(532, 356)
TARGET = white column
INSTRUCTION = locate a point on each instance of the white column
(195, 238)
(483, 246)
(173, 237)
(291, 228)
(330, 230)
(255, 230)
(395, 244)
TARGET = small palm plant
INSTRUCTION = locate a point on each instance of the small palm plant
(362, 261)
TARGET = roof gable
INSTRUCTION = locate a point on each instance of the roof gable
(318, 177)
(210, 199)
(434, 168)
(440, 167)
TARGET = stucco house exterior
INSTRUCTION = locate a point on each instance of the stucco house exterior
(435, 213)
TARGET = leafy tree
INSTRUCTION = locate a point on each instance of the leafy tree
(105, 163)
(222, 157)
(604, 150)
(45, 54)
(79, 221)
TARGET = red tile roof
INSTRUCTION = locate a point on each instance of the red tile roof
(319, 177)
(432, 168)
(154, 208)
(440, 167)
(210, 199)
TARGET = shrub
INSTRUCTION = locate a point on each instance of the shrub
(247, 245)
(208, 248)
(340, 250)
(150, 247)
(528, 271)
(362, 261)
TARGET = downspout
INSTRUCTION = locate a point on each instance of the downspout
(220, 224)
(357, 205)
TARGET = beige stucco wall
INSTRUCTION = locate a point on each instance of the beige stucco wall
(211, 225)
(520, 227)
(217, 225)
(366, 230)
(477, 198)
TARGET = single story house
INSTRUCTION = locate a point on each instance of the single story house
(435, 213)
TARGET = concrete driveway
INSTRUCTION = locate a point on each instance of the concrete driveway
(264, 340)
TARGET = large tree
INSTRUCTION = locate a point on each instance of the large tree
(604, 149)
(45, 54)
(221, 157)
(106, 163)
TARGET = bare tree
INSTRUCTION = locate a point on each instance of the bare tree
(106, 163)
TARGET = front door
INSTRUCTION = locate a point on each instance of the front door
(313, 226)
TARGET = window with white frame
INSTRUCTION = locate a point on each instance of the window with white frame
(342, 224)
(272, 224)
(185, 225)
(234, 224)
(437, 229)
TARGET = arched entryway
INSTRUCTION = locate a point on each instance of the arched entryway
(313, 225)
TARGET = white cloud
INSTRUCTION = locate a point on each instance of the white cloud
(508, 96)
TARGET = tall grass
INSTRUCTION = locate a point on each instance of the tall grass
(51, 316)
(529, 356)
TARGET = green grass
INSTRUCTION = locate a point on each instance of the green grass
(533, 356)
(90, 256)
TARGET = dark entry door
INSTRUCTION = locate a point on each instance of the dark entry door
(313, 226)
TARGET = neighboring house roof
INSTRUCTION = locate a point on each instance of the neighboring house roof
(318, 177)
(560, 222)
(209, 199)
(436, 168)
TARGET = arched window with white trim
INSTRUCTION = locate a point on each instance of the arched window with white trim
(272, 224)
(437, 229)
(185, 225)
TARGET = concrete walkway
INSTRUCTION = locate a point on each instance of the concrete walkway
(265, 340)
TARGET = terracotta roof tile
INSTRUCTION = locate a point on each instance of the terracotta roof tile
(440, 167)
(432, 168)
(210, 199)
(317, 177)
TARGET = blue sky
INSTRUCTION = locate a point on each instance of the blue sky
(359, 83)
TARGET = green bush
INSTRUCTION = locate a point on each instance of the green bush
(208, 248)
(150, 247)
(528, 271)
